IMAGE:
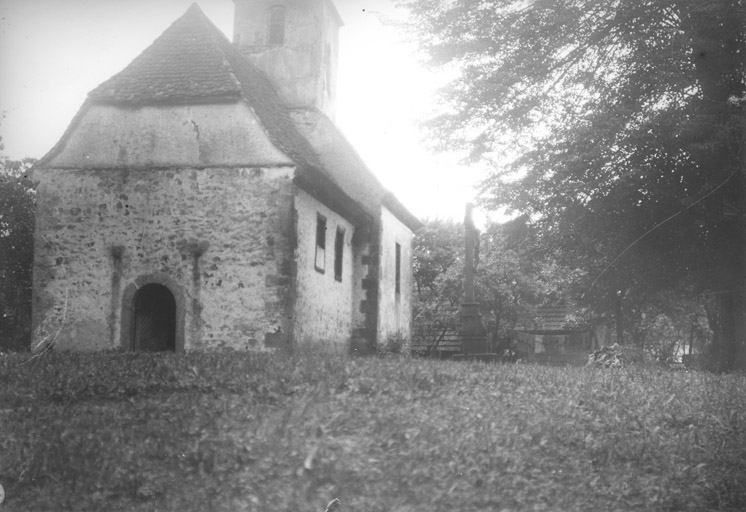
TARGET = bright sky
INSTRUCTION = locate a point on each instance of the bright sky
(52, 52)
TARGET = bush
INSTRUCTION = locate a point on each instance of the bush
(395, 344)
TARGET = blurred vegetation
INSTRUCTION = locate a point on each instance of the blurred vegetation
(517, 272)
(240, 431)
(617, 130)
(17, 207)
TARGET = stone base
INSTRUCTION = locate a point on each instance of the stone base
(475, 345)
(485, 357)
(473, 333)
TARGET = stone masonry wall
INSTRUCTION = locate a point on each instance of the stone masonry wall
(394, 309)
(323, 305)
(220, 239)
(364, 291)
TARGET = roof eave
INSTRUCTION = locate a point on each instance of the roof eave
(320, 186)
(166, 102)
(335, 13)
(60, 145)
(390, 201)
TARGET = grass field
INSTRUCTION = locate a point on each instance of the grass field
(236, 432)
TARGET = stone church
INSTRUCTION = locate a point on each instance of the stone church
(204, 198)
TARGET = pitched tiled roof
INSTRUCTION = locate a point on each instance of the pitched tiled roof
(184, 64)
(345, 166)
(193, 62)
(547, 319)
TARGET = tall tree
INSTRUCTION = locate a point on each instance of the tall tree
(625, 128)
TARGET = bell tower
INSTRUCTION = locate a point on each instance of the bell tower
(295, 43)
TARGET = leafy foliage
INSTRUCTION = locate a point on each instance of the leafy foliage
(618, 126)
(238, 431)
(17, 208)
(514, 274)
(438, 281)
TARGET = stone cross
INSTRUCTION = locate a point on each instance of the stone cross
(470, 240)
(473, 334)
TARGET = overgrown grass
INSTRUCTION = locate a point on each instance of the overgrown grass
(234, 431)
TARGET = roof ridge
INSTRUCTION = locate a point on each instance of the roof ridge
(180, 65)
(217, 38)
(194, 6)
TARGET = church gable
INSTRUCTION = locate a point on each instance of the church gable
(184, 90)
(168, 136)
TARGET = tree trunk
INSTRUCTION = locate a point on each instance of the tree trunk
(737, 311)
(498, 314)
(639, 336)
(712, 309)
(619, 318)
(727, 332)
(691, 337)
(715, 31)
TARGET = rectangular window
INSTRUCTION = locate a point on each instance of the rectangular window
(320, 259)
(339, 245)
(398, 269)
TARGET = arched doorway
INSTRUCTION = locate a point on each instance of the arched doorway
(154, 328)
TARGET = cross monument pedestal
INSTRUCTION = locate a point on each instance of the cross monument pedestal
(473, 334)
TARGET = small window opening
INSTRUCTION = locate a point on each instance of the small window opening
(320, 259)
(276, 35)
(398, 269)
(339, 244)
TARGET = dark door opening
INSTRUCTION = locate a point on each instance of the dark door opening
(155, 319)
